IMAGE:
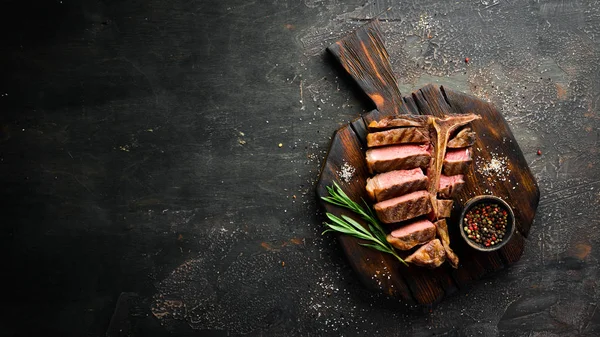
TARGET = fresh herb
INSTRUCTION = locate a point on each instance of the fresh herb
(347, 225)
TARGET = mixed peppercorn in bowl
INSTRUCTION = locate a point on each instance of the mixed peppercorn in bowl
(487, 223)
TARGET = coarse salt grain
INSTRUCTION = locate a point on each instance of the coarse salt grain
(346, 172)
(495, 168)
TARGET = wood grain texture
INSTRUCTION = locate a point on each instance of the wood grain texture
(494, 136)
(364, 56)
(430, 286)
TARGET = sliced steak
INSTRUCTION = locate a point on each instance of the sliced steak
(397, 157)
(457, 161)
(464, 138)
(430, 255)
(398, 136)
(444, 208)
(402, 208)
(442, 231)
(398, 121)
(450, 185)
(416, 233)
(396, 183)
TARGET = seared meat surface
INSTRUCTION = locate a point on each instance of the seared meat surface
(415, 233)
(444, 208)
(430, 255)
(398, 121)
(464, 138)
(420, 163)
(457, 161)
(442, 231)
(403, 208)
(398, 136)
(396, 183)
(397, 157)
(450, 185)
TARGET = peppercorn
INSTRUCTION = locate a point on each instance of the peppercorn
(485, 224)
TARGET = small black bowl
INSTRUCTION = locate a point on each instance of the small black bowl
(510, 225)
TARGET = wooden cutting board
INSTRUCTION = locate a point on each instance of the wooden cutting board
(364, 56)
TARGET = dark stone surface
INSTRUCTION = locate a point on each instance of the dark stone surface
(145, 194)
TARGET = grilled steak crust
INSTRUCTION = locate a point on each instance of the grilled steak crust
(430, 255)
(416, 233)
(396, 183)
(398, 136)
(464, 138)
(450, 185)
(403, 208)
(397, 157)
(444, 208)
(400, 150)
(442, 232)
(457, 162)
(398, 121)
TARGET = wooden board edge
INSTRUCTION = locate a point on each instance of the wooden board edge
(363, 55)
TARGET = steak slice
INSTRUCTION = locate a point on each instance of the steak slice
(430, 255)
(464, 138)
(444, 208)
(396, 183)
(413, 234)
(457, 161)
(398, 121)
(442, 231)
(398, 136)
(402, 208)
(397, 157)
(450, 185)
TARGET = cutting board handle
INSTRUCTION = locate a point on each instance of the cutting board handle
(363, 55)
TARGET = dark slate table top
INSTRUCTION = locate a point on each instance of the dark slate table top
(145, 191)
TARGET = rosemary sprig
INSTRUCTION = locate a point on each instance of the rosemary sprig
(349, 226)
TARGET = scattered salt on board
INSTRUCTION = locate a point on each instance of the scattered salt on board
(346, 172)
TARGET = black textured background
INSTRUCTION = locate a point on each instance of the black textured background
(144, 192)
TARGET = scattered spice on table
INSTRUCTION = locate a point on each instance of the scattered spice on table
(485, 224)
